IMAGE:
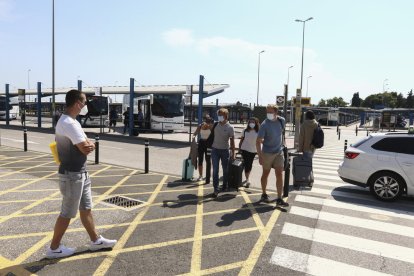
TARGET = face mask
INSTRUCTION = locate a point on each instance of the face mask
(270, 116)
(84, 110)
(252, 125)
(220, 118)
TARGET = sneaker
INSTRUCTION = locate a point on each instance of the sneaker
(60, 252)
(247, 184)
(214, 195)
(102, 243)
(280, 202)
(200, 178)
(265, 198)
(225, 189)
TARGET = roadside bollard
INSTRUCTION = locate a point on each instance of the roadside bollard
(96, 149)
(337, 129)
(346, 145)
(356, 130)
(146, 156)
(25, 139)
(367, 132)
(339, 135)
(208, 165)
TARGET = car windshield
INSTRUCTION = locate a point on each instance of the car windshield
(360, 142)
(168, 105)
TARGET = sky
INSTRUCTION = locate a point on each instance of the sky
(350, 46)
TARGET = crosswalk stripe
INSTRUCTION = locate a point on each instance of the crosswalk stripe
(325, 171)
(314, 265)
(324, 166)
(326, 176)
(353, 221)
(336, 184)
(356, 207)
(397, 252)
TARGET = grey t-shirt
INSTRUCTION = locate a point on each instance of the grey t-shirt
(69, 132)
(271, 132)
(222, 134)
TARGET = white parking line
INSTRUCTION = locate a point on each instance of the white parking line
(18, 140)
(314, 265)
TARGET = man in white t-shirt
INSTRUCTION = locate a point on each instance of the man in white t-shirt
(73, 146)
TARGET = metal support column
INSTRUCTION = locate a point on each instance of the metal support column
(7, 104)
(200, 99)
(39, 104)
(131, 106)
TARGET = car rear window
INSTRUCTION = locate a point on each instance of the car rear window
(360, 142)
(395, 144)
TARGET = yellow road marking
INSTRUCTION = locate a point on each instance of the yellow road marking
(198, 233)
(26, 184)
(107, 262)
(250, 206)
(251, 261)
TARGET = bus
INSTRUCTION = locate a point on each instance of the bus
(13, 109)
(161, 111)
(98, 112)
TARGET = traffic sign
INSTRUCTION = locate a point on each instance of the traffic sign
(280, 100)
(21, 93)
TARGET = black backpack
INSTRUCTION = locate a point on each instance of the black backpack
(210, 138)
(318, 137)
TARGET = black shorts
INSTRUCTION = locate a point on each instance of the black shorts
(202, 151)
(112, 123)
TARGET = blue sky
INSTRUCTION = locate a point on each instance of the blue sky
(350, 45)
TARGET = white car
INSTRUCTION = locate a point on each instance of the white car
(383, 162)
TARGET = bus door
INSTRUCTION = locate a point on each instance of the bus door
(143, 104)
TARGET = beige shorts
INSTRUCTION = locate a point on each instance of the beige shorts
(273, 160)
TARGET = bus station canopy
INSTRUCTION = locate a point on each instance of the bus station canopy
(208, 90)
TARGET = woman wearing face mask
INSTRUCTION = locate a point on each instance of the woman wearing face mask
(204, 130)
(247, 146)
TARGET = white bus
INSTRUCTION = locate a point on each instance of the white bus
(161, 111)
(98, 112)
(13, 109)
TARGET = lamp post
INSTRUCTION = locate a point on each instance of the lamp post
(383, 85)
(286, 95)
(307, 85)
(299, 93)
(258, 79)
(53, 65)
(28, 80)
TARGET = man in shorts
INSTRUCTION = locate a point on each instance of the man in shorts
(271, 155)
(73, 146)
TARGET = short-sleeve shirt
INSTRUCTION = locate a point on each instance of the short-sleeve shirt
(249, 141)
(68, 133)
(222, 134)
(271, 132)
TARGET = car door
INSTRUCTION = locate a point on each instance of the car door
(405, 158)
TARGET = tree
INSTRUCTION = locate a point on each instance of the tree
(400, 101)
(356, 100)
(410, 100)
(336, 102)
(322, 103)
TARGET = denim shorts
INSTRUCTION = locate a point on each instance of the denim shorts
(75, 188)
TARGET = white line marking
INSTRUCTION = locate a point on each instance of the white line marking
(19, 141)
(355, 222)
(357, 207)
(109, 147)
(314, 265)
(376, 248)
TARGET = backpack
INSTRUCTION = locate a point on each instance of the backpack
(210, 138)
(318, 137)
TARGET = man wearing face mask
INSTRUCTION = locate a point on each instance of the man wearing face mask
(73, 146)
(271, 155)
(223, 132)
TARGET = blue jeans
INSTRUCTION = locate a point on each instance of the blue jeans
(216, 155)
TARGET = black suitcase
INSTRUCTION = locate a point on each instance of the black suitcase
(302, 171)
(235, 172)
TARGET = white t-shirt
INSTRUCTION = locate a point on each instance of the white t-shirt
(249, 142)
(68, 133)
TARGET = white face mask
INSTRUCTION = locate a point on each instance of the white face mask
(84, 110)
(270, 116)
(252, 125)
(220, 118)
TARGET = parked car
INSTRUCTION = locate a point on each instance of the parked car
(384, 162)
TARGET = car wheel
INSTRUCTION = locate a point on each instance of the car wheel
(386, 186)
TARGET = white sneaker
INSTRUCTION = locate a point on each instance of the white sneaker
(247, 184)
(60, 252)
(102, 243)
(200, 178)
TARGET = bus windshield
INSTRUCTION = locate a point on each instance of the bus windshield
(168, 105)
(97, 105)
(3, 104)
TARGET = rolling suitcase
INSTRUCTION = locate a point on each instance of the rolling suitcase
(235, 172)
(302, 171)
(188, 170)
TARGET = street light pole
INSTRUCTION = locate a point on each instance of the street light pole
(383, 85)
(299, 93)
(258, 79)
(286, 95)
(307, 85)
(53, 65)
